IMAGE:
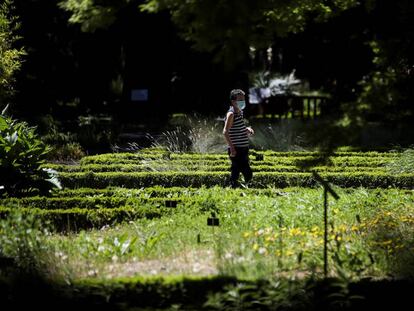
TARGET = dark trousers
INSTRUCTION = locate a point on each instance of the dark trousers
(240, 164)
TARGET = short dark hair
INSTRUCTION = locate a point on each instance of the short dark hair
(235, 92)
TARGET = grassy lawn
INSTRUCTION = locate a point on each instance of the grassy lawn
(143, 217)
(262, 233)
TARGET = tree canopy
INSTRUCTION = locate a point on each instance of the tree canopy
(361, 51)
(10, 56)
(226, 28)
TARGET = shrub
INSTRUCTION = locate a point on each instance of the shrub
(210, 179)
(21, 155)
(194, 134)
(10, 57)
(70, 151)
(22, 239)
(74, 219)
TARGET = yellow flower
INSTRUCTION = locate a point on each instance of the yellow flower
(289, 252)
(246, 234)
(256, 246)
(342, 228)
(294, 231)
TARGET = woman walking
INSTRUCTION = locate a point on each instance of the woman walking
(236, 135)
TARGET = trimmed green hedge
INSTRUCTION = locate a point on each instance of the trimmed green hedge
(274, 157)
(222, 292)
(208, 179)
(82, 202)
(77, 218)
(275, 161)
(158, 192)
(154, 293)
(214, 167)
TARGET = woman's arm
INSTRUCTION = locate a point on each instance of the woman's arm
(227, 125)
(249, 130)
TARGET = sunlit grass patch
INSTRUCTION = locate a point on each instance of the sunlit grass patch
(260, 236)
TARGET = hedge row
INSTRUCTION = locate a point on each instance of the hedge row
(219, 292)
(229, 293)
(82, 202)
(159, 151)
(286, 161)
(283, 157)
(159, 192)
(77, 218)
(260, 180)
(214, 167)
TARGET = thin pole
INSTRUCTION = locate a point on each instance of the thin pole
(325, 246)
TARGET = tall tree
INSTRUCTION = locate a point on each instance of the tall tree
(387, 93)
(225, 28)
(10, 56)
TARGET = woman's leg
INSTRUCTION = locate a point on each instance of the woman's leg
(235, 170)
(245, 165)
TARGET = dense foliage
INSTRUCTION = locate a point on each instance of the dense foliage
(10, 56)
(154, 223)
(21, 155)
(306, 36)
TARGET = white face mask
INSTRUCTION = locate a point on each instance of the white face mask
(241, 104)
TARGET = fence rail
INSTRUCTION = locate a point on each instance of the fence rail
(304, 107)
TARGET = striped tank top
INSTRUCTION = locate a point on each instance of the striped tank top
(238, 132)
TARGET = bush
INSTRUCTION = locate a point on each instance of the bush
(65, 144)
(74, 219)
(210, 179)
(70, 151)
(21, 155)
(22, 239)
(192, 134)
(10, 57)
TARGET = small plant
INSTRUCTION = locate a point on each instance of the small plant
(67, 152)
(21, 155)
(23, 238)
(65, 146)
(286, 136)
(176, 140)
(282, 294)
(195, 134)
(206, 136)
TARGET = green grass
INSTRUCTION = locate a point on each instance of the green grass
(260, 236)
(111, 223)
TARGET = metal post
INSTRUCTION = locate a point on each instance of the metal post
(280, 242)
(326, 189)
